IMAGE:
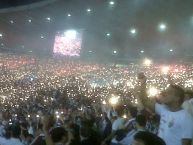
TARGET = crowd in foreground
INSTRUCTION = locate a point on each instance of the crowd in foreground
(53, 102)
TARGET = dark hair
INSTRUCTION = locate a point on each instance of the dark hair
(85, 131)
(189, 93)
(119, 110)
(141, 75)
(57, 134)
(133, 111)
(141, 120)
(149, 138)
(179, 92)
(15, 131)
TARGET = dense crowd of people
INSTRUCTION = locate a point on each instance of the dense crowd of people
(69, 102)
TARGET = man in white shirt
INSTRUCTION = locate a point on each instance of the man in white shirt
(188, 102)
(117, 125)
(176, 125)
(15, 136)
(140, 126)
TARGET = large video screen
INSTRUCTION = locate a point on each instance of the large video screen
(68, 43)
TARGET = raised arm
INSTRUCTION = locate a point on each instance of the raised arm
(46, 127)
(142, 94)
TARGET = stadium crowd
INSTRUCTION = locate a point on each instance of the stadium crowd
(68, 102)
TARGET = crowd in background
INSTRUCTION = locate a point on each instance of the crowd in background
(62, 101)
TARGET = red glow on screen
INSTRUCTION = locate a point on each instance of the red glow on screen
(68, 43)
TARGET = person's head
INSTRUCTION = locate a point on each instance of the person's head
(104, 116)
(188, 95)
(141, 77)
(147, 138)
(173, 95)
(119, 110)
(132, 113)
(155, 119)
(141, 121)
(85, 132)
(59, 134)
(15, 131)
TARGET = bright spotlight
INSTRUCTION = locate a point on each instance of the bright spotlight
(69, 15)
(71, 34)
(114, 100)
(111, 2)
(153, 91)
(171, 50)
(88, 10)
(165, 69)
(42, 37)
(48, 18)
(108, 34)
(147, 62)
(115, 52)
(142, 51)
(162, 26)
(11, 21)
(1, 35)
(133, 31)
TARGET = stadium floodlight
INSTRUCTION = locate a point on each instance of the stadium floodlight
(42, 37)
(108, 34)
(111, 2)
(48, 18)
(147, 62)
(71, 34)
(133, 31)
(162, 27)
(115, 52)
(88, 10)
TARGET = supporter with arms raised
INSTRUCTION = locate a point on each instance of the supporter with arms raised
(176, 125)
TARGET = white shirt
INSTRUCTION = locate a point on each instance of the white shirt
(2, 141)
(117, 125)
(128, 140)
(188, 106)
(174, 126)
(2, 130)
(129, 121)
(12, 141)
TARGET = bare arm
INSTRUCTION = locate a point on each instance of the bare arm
(186, 141)
(170, 81)
(48, 138)
(108, 138)
(46, 131)
(142, 96)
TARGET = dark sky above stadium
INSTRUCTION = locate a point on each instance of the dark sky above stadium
(131, 27)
